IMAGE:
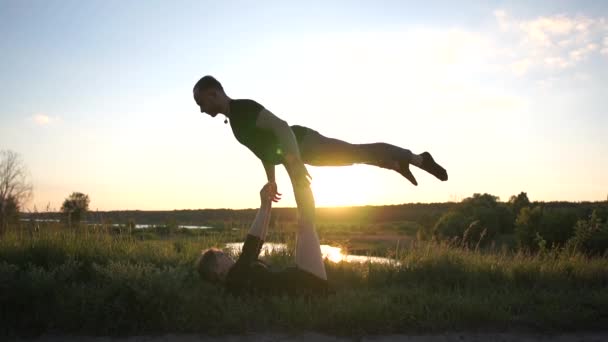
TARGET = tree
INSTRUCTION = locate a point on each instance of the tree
(10, 212)
(590, 236)
(526, 227)
(75, 207)
(492, 214)
(451, 224)
(15, 186)
(518, 202)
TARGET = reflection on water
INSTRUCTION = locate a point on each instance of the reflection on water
(39, 220)
(144, 226)
(327, 251)
(267, 248)
(137, 226)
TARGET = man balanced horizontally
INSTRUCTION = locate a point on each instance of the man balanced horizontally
(274, 142)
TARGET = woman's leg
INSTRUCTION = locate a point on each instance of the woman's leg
(308, 250)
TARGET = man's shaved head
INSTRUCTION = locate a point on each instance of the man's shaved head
(208, 82)
(209, 95)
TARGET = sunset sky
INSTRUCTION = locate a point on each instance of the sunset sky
(96, 97)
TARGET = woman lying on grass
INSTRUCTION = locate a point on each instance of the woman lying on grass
(250, 275)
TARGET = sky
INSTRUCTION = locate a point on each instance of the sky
(509, 96)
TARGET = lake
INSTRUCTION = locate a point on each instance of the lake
(332, 253)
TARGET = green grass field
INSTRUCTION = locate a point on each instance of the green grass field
(94, 282)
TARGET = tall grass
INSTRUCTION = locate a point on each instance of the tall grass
(93, 282)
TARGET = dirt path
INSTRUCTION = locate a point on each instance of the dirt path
(267, 337)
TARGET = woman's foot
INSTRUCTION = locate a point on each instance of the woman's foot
(429, 165)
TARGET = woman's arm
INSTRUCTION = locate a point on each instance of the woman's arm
(259, 227)
(257, 232)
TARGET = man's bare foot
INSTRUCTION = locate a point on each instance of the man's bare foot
(403, 168)
(429, 165)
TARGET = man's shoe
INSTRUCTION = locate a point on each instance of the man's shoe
(429, 165)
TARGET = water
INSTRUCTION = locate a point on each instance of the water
(143, 226)
(332, 253)
(137, 226)
(194, 227)
(39, 220)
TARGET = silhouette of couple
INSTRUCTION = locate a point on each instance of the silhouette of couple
(275, 142)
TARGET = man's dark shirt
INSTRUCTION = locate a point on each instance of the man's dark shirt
(252, 276)
(262, 142)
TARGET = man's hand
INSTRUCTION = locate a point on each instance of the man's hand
(269, 193)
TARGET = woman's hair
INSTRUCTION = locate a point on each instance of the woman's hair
(206, 265)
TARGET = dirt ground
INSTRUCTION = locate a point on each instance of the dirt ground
(267, 337)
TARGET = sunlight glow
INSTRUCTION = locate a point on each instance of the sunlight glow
(344, 186)
(334, 254)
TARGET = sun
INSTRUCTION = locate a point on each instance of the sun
(343, 186)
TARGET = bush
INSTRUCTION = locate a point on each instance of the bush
(9, 211)
(519, 202)
(75, 207)
(476, 214)
(494, 216)
(590, 236)
(526, 227)
(551, 227)
(451, 224)
(557, 225)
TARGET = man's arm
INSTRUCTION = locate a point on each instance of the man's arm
(288, 142)
(269, 171)
(281, 129)
(273, 192)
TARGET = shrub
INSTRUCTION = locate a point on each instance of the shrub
(451, 224)
(590, 236)
(495, 217)
(526, 226)
(552, 227)
(476, 214)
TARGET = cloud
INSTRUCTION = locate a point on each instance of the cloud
(521, 66)
(551, 43)
(43, 119)
(604, 50)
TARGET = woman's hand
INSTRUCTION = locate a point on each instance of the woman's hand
(270, 192)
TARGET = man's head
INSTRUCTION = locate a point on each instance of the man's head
(213, 265)
(209, 95)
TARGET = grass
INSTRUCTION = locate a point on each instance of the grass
(59, 281)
